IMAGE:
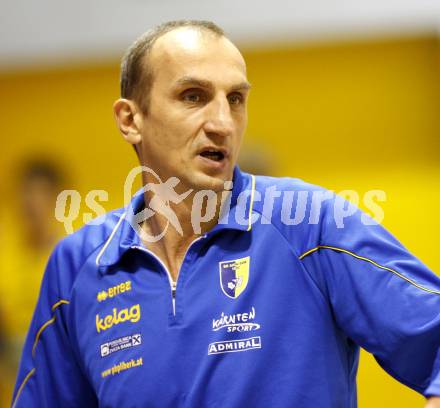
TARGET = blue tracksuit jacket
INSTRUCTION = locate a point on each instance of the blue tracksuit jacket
(270, 310)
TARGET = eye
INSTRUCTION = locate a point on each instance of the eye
(236, 98)
(193, 96)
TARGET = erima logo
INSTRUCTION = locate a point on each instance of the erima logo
(220, 347)
(133, 315)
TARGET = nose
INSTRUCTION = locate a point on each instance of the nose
(219, 117)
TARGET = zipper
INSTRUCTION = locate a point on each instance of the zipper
(173, 285)
(173, 294)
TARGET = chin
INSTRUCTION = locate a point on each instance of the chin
(203, 181)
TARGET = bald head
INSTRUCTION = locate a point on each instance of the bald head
(137, 67)
(191, 53)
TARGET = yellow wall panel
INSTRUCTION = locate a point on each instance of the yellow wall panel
(356, 116)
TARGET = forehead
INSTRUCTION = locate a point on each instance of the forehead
(196, 53)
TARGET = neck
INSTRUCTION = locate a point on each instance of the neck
(175, 225)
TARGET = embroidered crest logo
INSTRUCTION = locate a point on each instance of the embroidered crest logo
(234, 276)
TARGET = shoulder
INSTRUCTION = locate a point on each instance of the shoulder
(308, 215)
(296, 208)
(72, 252)
(265, 183)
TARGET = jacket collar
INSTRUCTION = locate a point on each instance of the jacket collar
(237, 216)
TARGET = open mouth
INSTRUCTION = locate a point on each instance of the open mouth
(213, 154)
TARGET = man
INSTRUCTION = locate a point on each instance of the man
(23, 254)
(237, 305)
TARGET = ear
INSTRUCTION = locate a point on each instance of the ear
(129, 120)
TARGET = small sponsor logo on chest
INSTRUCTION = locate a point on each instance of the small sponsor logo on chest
(113, 291)
(232, 346)
(122, 366)
(131, 315)
(122, 343)
(237, 322)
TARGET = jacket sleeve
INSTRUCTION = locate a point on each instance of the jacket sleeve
(382, 296)
(49, 374)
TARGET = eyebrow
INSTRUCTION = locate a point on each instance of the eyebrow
(188, 80)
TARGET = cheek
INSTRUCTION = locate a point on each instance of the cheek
(240, 125)
(176, 131)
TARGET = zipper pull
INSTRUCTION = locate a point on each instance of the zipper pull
(173, 296)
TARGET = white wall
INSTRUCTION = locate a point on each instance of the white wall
(41, 32)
